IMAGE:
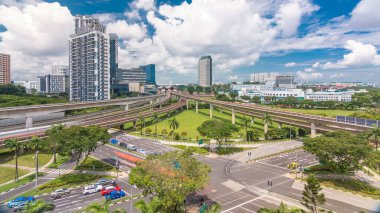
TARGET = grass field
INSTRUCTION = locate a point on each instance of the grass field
(189, 121)
(20, 182)
(97, 165)
(25, 159)
(59, 161)
(322, 112)
(353, 186)
(8, 173)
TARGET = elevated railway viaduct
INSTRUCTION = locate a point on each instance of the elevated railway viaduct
(313, 122)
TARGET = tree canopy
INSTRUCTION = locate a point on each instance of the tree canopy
(340, 151)
(168, 179)
(217, 129)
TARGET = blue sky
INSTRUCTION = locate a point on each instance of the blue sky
(316, 40)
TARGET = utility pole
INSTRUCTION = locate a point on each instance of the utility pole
(36, 160)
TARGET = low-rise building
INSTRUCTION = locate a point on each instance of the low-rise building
(279, 94)
(332, 95)
(30, 86)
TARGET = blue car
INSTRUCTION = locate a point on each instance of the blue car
(115, 194)
(20, 200)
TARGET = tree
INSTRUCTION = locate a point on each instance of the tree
(190, 89)
(375, 134)
(167, 179)
(152, 207)
(54, 138)
(217, 129)
(253, 135)
(101, 208)
(82, 141)
(267, 120)
(39, 206)
(148, 130)
(155, 120)
(173, 124)
(35, 143)
(199, 89)
(275, 134)
(142, 123)
(256, 99)
(214, 208)
(283, 208)
(16, 145)
(183, 134)
(208, 90)
(339, 151)
(164, 132)
(312, 195)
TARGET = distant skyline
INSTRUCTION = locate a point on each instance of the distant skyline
(317, 40)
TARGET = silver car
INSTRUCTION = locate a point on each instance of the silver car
(60, 192)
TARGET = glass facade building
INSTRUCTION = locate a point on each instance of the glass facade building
(150, 71)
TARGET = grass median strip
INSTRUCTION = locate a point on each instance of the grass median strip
(21, 181)
(97, 165)
(60, 160)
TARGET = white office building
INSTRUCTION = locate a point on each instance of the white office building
(89, 61)
(279, 94)
(205, 71)
(332, 95)
(263, 77)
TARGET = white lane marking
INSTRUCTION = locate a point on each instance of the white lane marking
(243, 204)
(246, 209)
(235, 200)
(75, 201)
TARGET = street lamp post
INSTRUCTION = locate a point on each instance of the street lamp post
(36, 160)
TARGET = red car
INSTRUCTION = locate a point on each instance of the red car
(109, 189)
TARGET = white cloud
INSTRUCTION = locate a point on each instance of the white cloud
(36, 37)
(127, 31)
(360, 55)
(316, 65)
(290, 14)
(233, 77)
(290, 64)
(366, 15)
(308, 70)
(144, 4)
(339, 75)
(308, 76)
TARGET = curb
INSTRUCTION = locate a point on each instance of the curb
(126, 200)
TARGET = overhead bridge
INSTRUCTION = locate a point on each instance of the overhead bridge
(313, 122)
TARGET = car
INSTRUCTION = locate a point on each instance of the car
(142, 151)
(92, 189)
(60, 192)
(124, 145)
(20, 200)
(131, 147)
(115, 194)
(103, 182)
(106, 191)
(20, 207)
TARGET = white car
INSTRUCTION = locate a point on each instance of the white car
(92, 189)
(109, 188)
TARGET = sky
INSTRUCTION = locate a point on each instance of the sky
(316, 40)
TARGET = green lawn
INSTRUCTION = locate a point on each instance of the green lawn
(8, 173)
(189, 121)
(20, 182)
(25, 159)
(24, 100)
(322, 112)
(97, 165)
(60, 160)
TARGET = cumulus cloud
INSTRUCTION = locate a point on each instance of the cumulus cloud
(36, 37)
(233, 77)
(360, 55)
(144, 4)
(290, 64)
(127, 31)
(366, 15)
(339, 75)
(308, 76)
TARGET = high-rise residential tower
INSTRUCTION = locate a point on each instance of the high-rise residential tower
(114, 44)
(89, 61)
(5, 69)
(205, 71)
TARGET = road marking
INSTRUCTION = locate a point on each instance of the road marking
(246, 209)
(235, 200)
(243, 204)
(75, 201)
(273, 165)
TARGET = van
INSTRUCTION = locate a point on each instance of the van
(131, 147)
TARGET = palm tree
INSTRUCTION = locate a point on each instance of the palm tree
(375, 134)
(39, 206)
(155, 120)
(35, 143)
(142, 123)
(245, 124)
(173, 124)
(16, 145)
(267, 119)
(101, 208)
(54, 136)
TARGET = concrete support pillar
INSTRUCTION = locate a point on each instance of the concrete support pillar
(29, 122)
(280, 125)
(126, 107)
(151, 103)
(196, 107)
(211, 108)
(134, 124)
(252, 120)
(187, 104)
(313, 130)
(265, 127)
(233, 115)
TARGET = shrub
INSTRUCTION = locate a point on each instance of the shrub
(229, 150)
(164, 132)
(148, 130)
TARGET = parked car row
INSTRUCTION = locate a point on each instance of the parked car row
(107, 188)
